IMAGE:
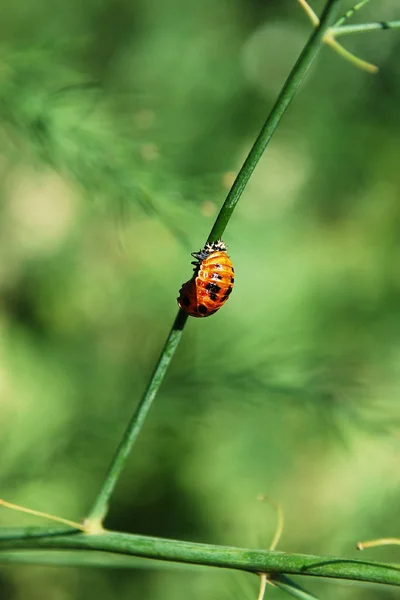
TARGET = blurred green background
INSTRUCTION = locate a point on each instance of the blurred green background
(122, 125)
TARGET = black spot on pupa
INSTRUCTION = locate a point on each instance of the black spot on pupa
(213, 297)
(202, 309)
(213, 288)
(232, 280)
(186, 300)
(216, 276)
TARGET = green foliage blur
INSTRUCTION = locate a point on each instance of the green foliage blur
(122, 125)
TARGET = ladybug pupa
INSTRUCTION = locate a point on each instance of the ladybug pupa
(212, 281)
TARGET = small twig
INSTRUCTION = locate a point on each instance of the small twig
(346, 54)
(366, 27)
(38, 513)
(280, 520)
(279, 580)
(309, 12)
(380, 542)
(263, 585)
(264, 577)
(350, 13)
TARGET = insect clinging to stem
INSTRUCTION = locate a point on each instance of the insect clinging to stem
(211, 283)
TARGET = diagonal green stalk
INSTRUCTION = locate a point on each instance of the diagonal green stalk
(136, 422)
(311, 49)
(227, 557)
(285, 97)
(365, 27)
(284, 583)
(291, 588)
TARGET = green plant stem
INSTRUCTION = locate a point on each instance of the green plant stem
(255, 561)
(364, 27)
(99, 508)
(350, 12)
(285, 97)
(100, 505)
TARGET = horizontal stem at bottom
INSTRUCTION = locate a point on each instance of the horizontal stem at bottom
(256, 561)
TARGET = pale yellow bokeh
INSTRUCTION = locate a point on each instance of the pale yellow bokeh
(41, 208)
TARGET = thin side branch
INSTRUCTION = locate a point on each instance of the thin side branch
(347, 15)
(365, 27)
(380, 542)
(309, 12)
(347, 55)
(38, 513)
(291, 588)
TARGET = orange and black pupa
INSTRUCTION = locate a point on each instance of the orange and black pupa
(212, 281)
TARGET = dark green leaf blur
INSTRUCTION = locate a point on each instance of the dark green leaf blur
(122, 125)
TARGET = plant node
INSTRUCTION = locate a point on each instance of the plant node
(329, 40)
(264, 577)
(93, 526)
